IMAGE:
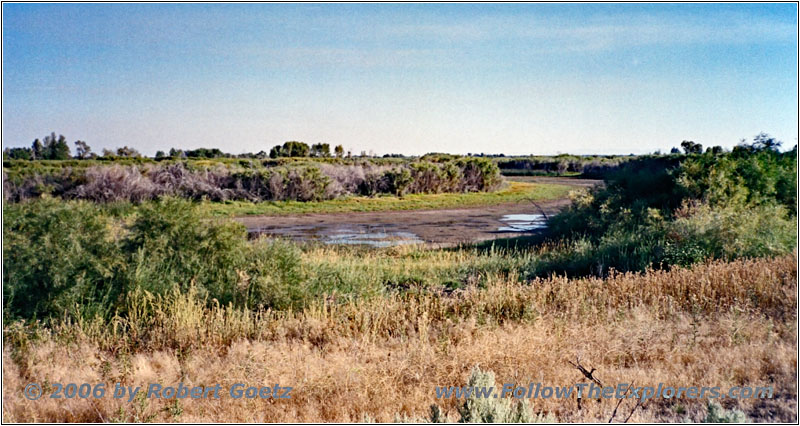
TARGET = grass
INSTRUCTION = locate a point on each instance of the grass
(513, 192)
(718, 324)
(516, 172)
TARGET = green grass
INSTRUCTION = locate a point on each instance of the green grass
(513, 192)
(528, 172)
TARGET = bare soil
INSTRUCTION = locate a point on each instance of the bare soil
(440, 227)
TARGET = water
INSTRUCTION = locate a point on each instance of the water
(523, 222)
(373, 239)
(351, 235)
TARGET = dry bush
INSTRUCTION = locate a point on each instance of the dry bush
(350, 179)
(175, 179)
(115, 183)
(302, 181)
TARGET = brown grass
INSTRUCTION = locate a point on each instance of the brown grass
(719, 324)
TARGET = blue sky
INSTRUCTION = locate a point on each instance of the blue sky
(408, 78)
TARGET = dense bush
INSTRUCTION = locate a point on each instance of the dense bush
(588, 166)
(57, 256)
(661, 211)
(85, 260)
(247, 180)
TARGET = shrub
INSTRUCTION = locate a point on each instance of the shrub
(398, 180)
(171, 246)
(305, 183)
(175, 179)
(257, 185)
(81, 259)
(138, 180)
(679, 210)
(425, 177)
(701, 231)
(58, 256)
(275, 277)
(717, 414)
(494, 410)
(115, 183)
(478, 174)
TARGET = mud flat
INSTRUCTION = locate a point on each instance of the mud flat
(439, 227)
(435, 227)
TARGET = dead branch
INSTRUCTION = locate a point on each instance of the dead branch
(619, 402)
(540, 209)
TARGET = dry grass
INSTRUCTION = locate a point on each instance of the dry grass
(719, 324)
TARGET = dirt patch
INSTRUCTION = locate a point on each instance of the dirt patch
(441, 227)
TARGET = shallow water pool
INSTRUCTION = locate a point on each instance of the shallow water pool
(523, 222)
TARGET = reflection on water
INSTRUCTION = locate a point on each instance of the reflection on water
(351, 235)
(374, 239)
(523, 222)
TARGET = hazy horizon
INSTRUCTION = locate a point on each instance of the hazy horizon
(515, 79)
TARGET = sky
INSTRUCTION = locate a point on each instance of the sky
(516, 79)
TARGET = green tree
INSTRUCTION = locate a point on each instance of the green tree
(18, 153)
(691, 147)
(55, 148)
(321, 150)
(126, 151)
(82, 150)
(765, 142)
(160, 155)
(293, 149)
(339, 151)
(296, 149)
(205, 153)
(37, 149)
(275, 152)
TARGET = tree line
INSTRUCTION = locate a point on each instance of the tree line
(57, 148)
(54, 147)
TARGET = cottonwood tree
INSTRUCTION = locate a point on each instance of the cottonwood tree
(37, 150)
(291, 149)
(18, 153)
(129, 152)
(691, 147)
(763, 141)
(82, 150)
(321, 150)
(55, 148)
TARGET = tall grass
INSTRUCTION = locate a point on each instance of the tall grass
(717, 324)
